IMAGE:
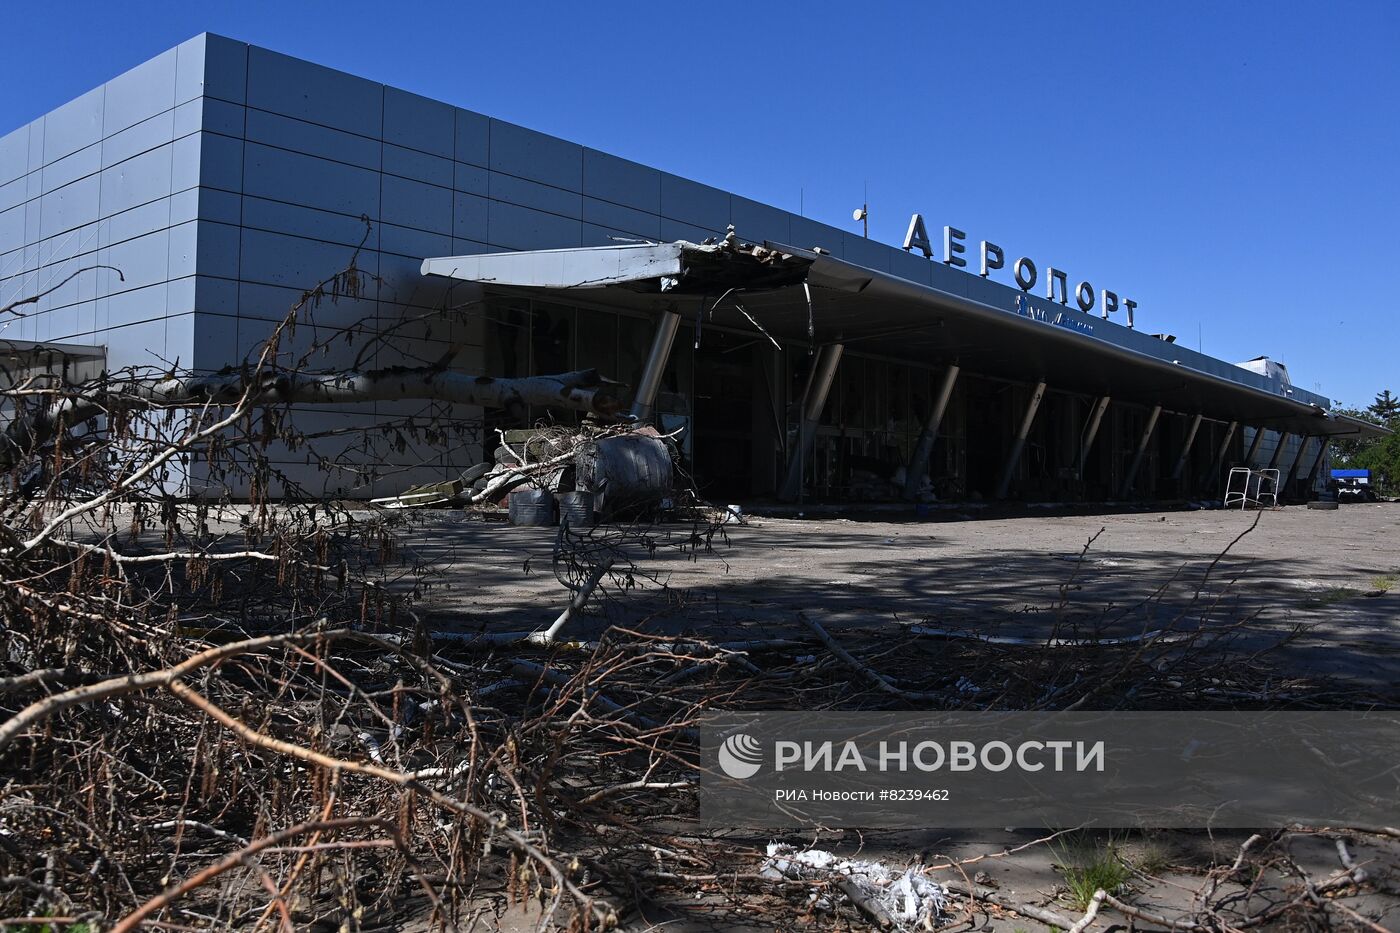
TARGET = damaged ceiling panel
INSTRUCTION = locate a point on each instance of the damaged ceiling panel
(678, 268)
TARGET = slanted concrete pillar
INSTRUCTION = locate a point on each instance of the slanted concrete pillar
(814, 400)
(1212, 478)
(1253, 448)
(1186, 447)
(918, 464)
(1140, 452)
(1091, 431)
(1019, 444)
(658, 356)
(1278, 450)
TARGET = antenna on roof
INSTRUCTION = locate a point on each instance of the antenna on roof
(862, 213)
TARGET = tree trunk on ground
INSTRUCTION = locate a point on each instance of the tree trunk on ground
(583, 390)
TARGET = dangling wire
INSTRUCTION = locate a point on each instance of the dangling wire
(811, 321)
(700, 320)
(745, 312)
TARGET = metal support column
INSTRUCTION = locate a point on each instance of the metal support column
(1212, 477)
(1322, 443)
(1186, 447)
(1297, 462)
(1278, 450)
(1019, 444)
(657, 357)
(918, 464)
(1253, 448)
(1140, 452)
(814, 400)
(1091, 431)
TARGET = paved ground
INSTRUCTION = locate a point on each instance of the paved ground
(1144, 571)
(1337, 574)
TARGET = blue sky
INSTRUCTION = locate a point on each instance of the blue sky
(1231, 167)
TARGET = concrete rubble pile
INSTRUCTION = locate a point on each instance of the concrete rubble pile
(901, 899)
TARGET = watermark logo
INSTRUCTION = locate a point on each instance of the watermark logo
(984, 769)
(740, 756)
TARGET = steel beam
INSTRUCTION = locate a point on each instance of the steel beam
(1140, 452)
(658, 356)
(1212, 478)
(813, 401)
(1091, 431)
(1186, 447)
(918, 464)
(1019, 444)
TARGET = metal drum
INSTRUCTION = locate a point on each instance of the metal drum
(532, 507)
(577, 509)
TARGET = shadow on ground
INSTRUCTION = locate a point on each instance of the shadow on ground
(1019, 577)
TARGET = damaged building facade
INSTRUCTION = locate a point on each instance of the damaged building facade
(199, 194)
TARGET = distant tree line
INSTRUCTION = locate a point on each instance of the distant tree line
(1379, 455)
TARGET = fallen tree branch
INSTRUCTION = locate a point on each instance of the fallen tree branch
(583, 390)
(1158, 636)
(875, 679)
(1090, 913)
(525, 668)
(42, 678)
(989, 896)
(134, 683)
(496, 822)
(132, 920)
(576, 604)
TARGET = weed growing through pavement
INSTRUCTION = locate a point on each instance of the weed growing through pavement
(1088, 866)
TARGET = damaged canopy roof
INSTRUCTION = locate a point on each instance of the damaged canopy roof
(809, 297)
(677, 269)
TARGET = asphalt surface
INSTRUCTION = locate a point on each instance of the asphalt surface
(1336, 573)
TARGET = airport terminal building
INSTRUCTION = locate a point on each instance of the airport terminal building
(198, 195)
